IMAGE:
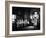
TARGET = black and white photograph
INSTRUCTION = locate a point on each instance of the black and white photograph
(25, 18)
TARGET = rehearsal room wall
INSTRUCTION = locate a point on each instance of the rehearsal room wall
(2, 18)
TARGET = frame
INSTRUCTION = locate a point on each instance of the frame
(8, 16)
